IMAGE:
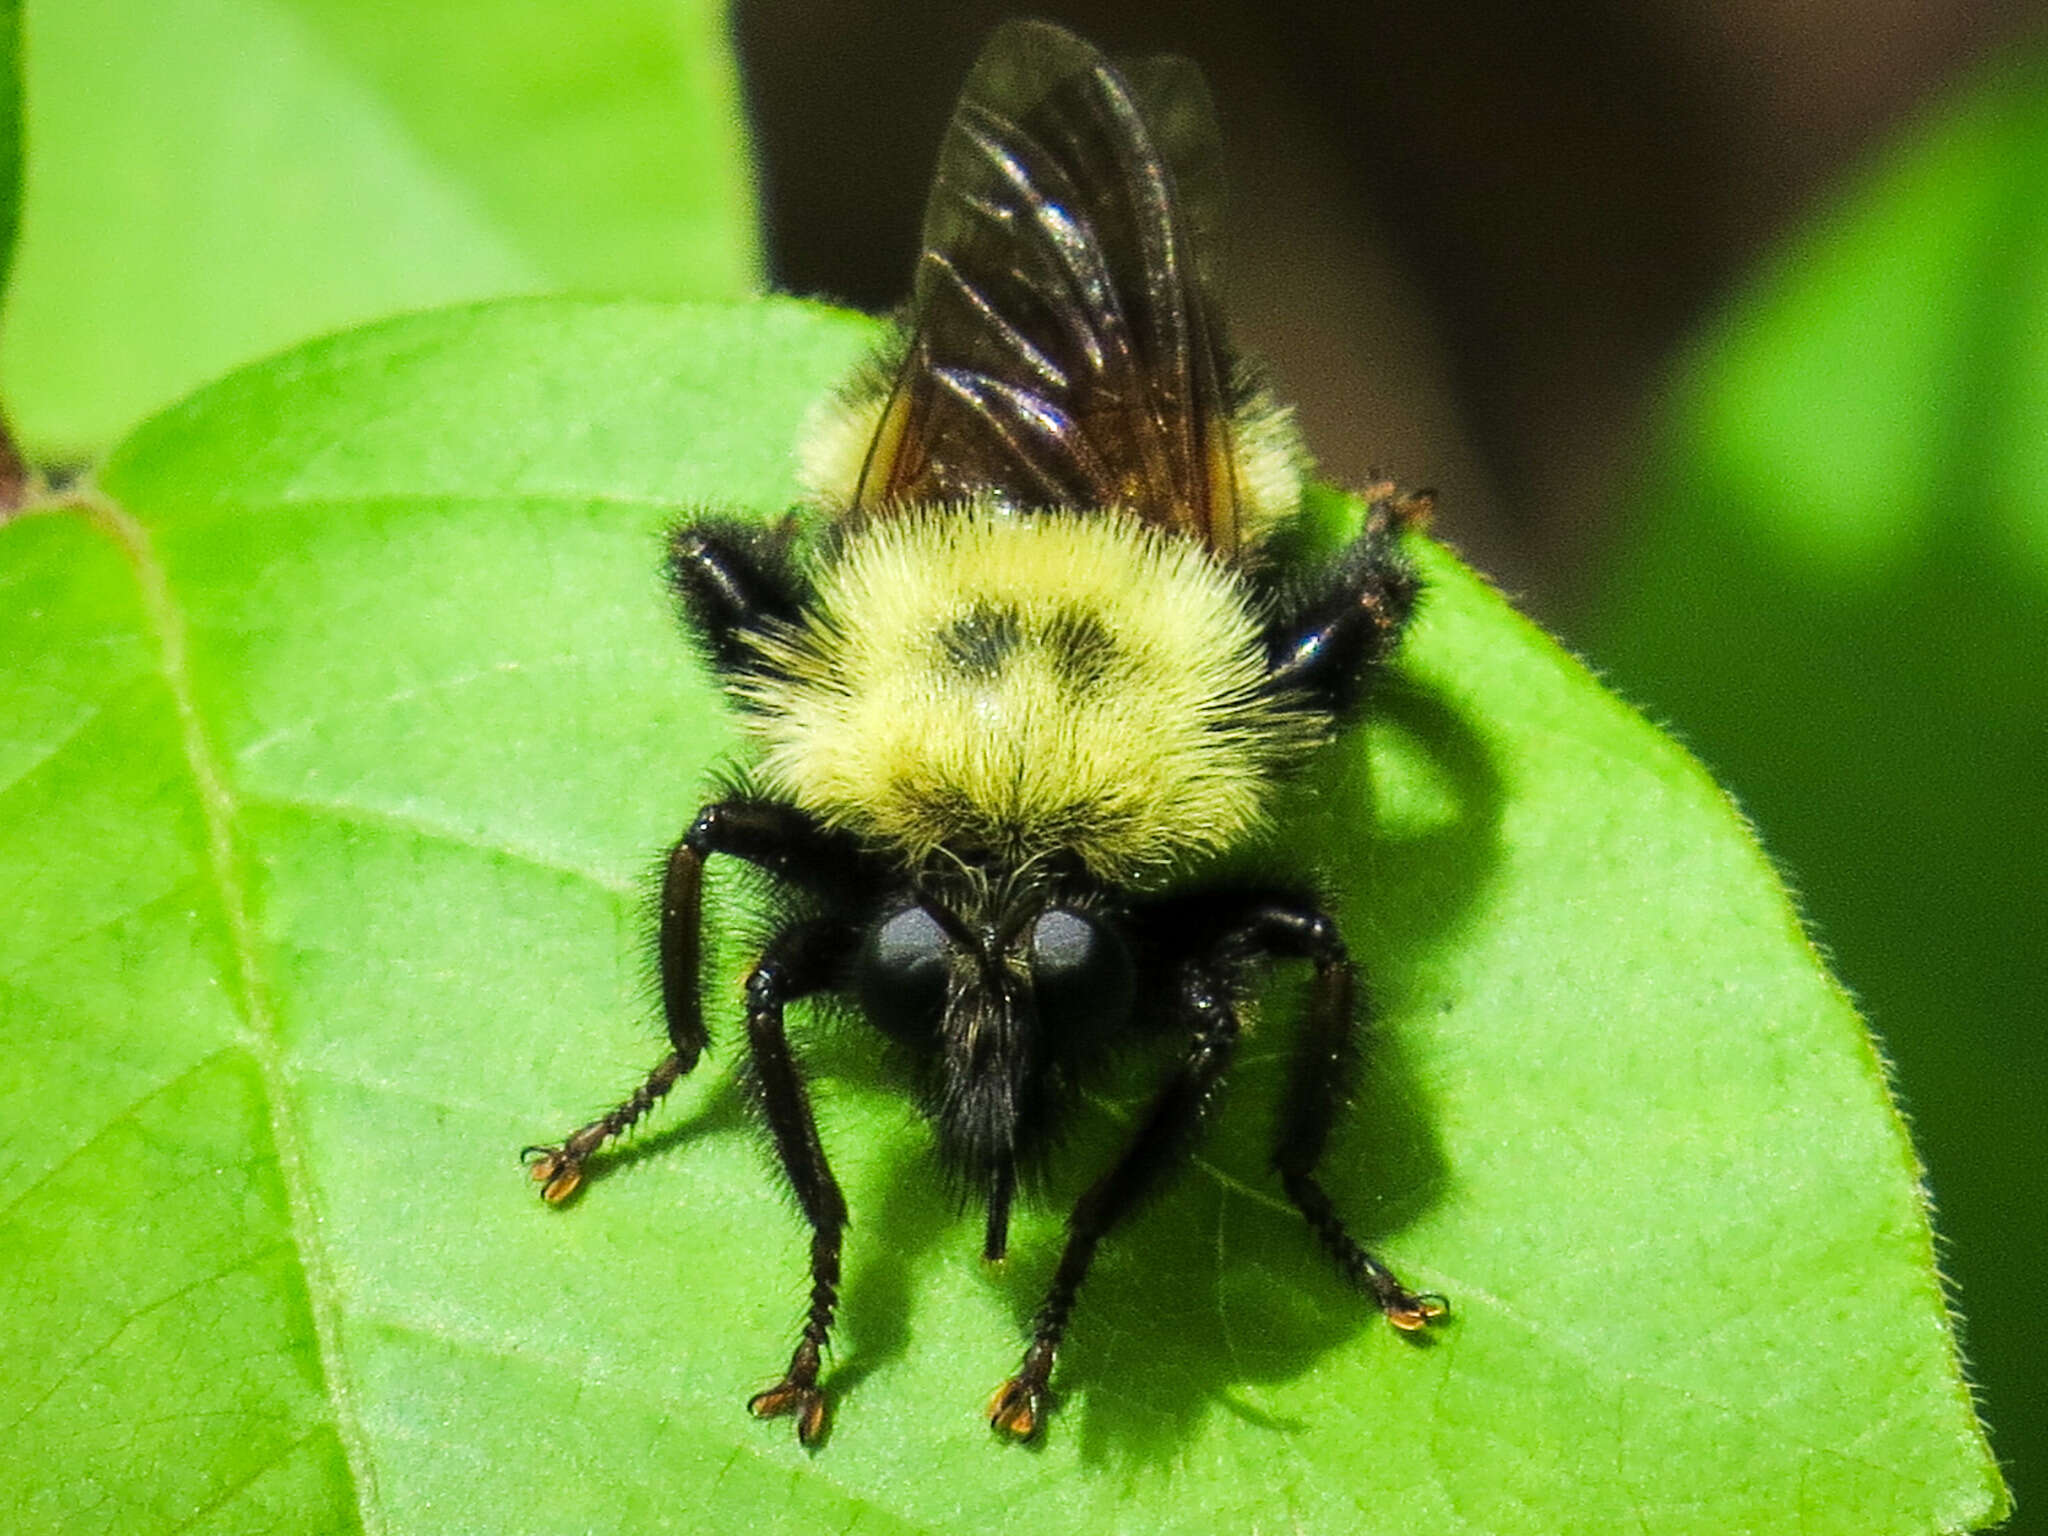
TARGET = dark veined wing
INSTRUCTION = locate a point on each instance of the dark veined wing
(1063, 351)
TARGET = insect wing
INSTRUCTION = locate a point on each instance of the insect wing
(1063, 351)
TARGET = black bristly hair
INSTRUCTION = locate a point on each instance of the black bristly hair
(732, 577)
(1198, 951)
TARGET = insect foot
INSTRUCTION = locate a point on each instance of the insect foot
(1017, 1407)
(1412, 1313)
(797, 1393)
(558, 1170)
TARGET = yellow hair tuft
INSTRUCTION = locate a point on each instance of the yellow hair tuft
(984, 681)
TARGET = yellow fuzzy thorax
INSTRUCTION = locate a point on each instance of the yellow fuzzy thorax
(1010, 684)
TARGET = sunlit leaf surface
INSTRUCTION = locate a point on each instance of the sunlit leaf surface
(340, 729)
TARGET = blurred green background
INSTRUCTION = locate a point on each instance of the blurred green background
(1723, 333)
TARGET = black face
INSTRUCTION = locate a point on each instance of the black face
(994, 1007)
(923, 974)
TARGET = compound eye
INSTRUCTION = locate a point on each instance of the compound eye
(1081, 972)
(902, 973)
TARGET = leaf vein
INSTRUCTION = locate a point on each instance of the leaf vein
(246, 1261)
(242, 1484)
(72, 731)
(380, 816)
(127, 1112)
(219, 811)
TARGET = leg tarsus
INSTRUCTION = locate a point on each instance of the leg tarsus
(777, 838)
(558, 1169)
(1018, 1407)
(797, 1393)
(1325, 1060)
(1410, 1311)
(798, 961)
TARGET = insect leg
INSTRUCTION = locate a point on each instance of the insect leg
(778, 838)
(732, 579)
(1167, 1135)
(799, 960)
(1322, 654)
(1319, 1082)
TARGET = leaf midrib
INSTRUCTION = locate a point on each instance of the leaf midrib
(165, 622)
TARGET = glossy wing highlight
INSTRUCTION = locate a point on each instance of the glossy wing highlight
(1063, 351)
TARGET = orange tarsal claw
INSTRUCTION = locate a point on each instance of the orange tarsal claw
(556, 1172)
(807, 1403)
(1418, 1312)
(1016, 1409)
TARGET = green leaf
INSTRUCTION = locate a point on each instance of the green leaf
(342, 728)
(1839, 590)
(10, 133)
(209, 180)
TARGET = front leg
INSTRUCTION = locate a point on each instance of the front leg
(777, 838)
(1161, 1144)
(799, 960)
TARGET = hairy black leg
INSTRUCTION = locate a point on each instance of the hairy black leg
(777, 838)
(559, 1169)
(1167, 1135)
(1002, 1189)
(1319, 1082)
(1322, 654)
(799, 960)
(732, 579)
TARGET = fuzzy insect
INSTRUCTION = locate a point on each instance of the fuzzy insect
(1038, 670)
